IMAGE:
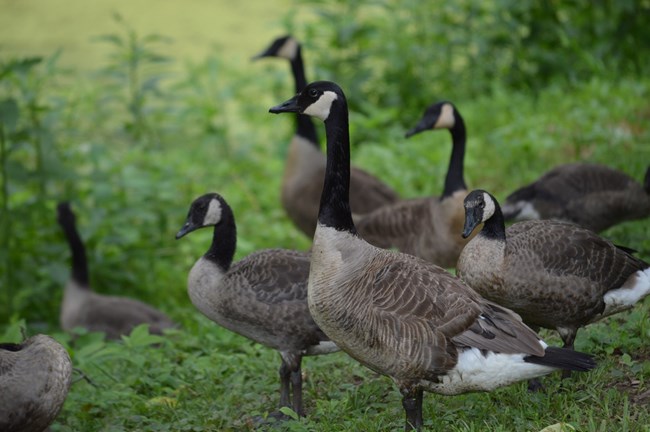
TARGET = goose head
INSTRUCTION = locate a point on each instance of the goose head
(206, 210)
(315, 100)
(479, 207)
(284, 47)
(441, 115)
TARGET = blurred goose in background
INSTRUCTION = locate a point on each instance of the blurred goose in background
(262, 297)
(400, 315)
(81, 307)
(429, 228)
(593, 196)
(554, 274)
(35, 377)
(305, 166)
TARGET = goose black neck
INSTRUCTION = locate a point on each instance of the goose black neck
(646, 181)
(224, 241)
(78, 251)
(495, 227)
(335, 200)
(455, 179)
(304, 124)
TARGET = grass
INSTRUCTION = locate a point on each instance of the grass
(206, 128)
(206, 378)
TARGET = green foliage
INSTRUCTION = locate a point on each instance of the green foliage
(136, 67)
(131, 146)
(408, 53)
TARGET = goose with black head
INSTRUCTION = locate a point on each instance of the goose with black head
(304, 169)
(262, 297)
(555, 274)
(82, 307)
(428, 227)
(400, 315)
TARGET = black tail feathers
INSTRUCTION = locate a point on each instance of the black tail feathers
(565, 359)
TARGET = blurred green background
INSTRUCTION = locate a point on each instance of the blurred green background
(131, 109)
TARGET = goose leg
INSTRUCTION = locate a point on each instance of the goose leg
(568, 337)
(285, 374)
(412, 403)
(296, 387)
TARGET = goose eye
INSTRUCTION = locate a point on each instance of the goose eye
(481, 204)
(313, 93)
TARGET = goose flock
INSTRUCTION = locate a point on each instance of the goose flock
(375, 283)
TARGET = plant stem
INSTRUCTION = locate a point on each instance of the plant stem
(6, 220)
(38, 145)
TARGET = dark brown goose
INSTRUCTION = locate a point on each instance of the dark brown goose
(398, 314)
(554, 274)
(593, 196)
(305, 166)
(81, 307)
(430, 227)
(35, 377)
(262, 297)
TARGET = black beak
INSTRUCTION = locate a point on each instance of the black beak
(289, 106)
(187, 228)
(473, 218)
(265, 53)
(423, 125)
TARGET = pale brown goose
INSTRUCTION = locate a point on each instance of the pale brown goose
(554, 274)
(262, 297)
(430, 227)
(398, 314)
(35, 377)
(305, 166)
(593, 196)
(81, 307)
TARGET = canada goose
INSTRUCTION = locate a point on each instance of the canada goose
(262, 297)
(398, 314)
(429, 227)
(305, 166)
(35, 377)
(555, 274)
(81, 307)
(593, 196)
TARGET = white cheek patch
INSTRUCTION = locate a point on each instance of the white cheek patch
(321, 108)
(213, 215)
(446, 119)
(488, 211)
(289, 49)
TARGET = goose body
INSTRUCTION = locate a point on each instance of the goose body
(35, 377)
(429, 227)
(398, 314)
(304, 172)
(262, 297)
(555, 274)
(81, 307)
(593, 196)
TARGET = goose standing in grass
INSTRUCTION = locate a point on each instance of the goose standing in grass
(35, 377)
(593, 196)
(430, 227)
(398, 314)
(81, 307)
(262, 297)
(305, 166)
(554, 274)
